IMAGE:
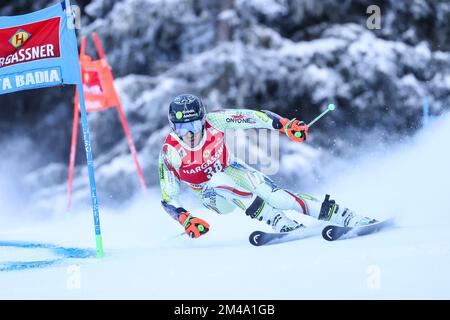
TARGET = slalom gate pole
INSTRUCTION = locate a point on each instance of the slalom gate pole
(73, 145)
(331, 107)
(73, 151)
(90, 164)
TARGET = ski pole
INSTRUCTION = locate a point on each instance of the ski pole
(176, 236)
(331, 107)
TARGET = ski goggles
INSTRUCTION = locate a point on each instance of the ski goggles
(183, 128)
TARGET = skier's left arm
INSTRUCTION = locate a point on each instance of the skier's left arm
(170, 191)
(253, 119)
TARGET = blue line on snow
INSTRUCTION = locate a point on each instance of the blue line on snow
(60, 252)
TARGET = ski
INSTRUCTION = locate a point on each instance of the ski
(261, 238)
(332, 232)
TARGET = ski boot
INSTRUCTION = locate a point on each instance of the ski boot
(331, 212)
(285, 224)
(275, 218)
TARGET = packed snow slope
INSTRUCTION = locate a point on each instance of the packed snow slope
(410, 180)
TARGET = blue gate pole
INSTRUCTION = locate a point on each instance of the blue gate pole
(87, 146)
(90, 164)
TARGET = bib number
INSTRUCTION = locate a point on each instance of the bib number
(217, 167)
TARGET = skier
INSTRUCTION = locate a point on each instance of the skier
(195, 153)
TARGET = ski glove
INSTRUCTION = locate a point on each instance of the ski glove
(295, 129)
(194, 227)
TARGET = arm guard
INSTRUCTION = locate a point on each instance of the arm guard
(245, 119)
(170, 183)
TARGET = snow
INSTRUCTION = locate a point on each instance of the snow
(269, 8)
(409, 180)
(309, 48)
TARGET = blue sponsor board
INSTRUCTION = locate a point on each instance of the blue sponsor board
(31, 79)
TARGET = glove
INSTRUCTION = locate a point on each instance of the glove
(194, 227)
(295, 129)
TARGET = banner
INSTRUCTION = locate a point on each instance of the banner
(40, 50)
(98, 80)
(37, 50)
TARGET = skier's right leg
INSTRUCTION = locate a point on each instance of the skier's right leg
(256, 182)
(282, 199)
(276, 218)
(222, 195)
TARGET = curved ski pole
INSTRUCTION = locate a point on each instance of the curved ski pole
(331, 107)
